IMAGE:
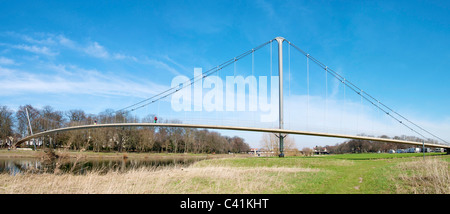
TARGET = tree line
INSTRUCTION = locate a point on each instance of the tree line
(15, 125)
(367, 146)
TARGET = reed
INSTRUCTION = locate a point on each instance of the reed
(176, 179)
(424, 177)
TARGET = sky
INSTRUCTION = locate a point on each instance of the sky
(98, 55)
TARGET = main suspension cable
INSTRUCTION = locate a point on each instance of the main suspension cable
(188, 83)
(367, 96)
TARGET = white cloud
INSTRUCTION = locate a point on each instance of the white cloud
(45, 43)
(176, 63)
(36, 49)
(96, 50)
(73, 80)
(160, 64)
(6, 61)
(66, 42)
(37, 38)
(52, 45)
(6, 72)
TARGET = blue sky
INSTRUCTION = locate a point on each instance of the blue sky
(94, 55)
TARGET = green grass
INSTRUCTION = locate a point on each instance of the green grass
(334, 174)
(372, 156)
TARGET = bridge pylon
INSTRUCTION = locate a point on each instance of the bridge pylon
(280, 41)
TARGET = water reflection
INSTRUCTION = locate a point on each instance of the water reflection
(29, 165)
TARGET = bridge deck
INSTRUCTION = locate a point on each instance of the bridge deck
(283, 131)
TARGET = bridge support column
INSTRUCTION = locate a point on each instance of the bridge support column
(281, 155)
(280, 41)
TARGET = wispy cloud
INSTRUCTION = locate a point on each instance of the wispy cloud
(62, 40)
(73, 80)
(184, 68)
(37, 38)
(6, 61)
(160, 65)
(49, 44)
(96, 50)
(58, 45)
(48, 76)
(36, 49)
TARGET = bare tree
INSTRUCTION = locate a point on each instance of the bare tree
(237, 145)
(78, 139)
(188, 139)
(76, 117)
(6, 125)
(22, 120)
(307, 151)
(175, 135)
(142, 139)
(271, 143)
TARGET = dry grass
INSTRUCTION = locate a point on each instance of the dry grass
(424, 177)
(177, 180)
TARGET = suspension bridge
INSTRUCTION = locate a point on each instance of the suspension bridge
(281, 132)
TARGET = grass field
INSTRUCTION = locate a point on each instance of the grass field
(333, 174)
(353, 173)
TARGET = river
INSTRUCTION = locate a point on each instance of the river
(37, 165)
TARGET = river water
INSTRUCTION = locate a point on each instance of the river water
(14, 166)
